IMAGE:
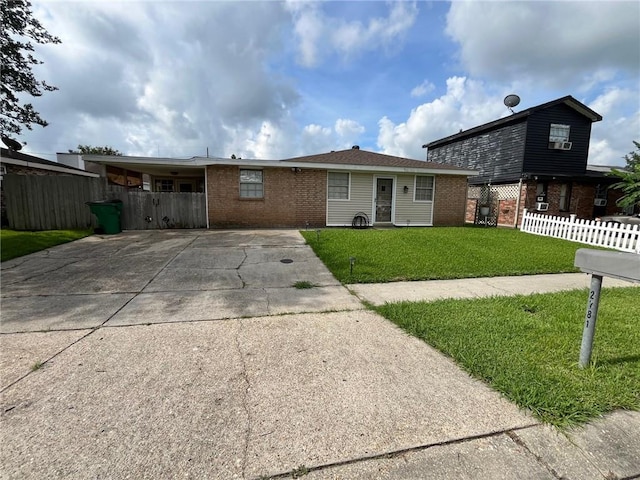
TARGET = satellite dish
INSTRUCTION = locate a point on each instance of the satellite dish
(11, 143)
(511, 101)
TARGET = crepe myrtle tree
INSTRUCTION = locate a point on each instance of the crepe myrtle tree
(20, 30)
(629, 182)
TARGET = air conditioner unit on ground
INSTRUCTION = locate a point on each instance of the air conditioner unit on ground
(565, 145)
(542, 206)
(600, 202)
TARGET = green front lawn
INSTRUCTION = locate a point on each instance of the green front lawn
(16, 244)
(438, 253)
(527, 348)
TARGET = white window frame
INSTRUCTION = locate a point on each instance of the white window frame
(559, 133)
(241, 183)
(432, 188)
(348, 187)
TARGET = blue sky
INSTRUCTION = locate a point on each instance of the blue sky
(273, 80)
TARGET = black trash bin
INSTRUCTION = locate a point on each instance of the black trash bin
(108, 214)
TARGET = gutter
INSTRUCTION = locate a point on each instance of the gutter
(41, 166)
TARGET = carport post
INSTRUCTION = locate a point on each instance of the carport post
(590, 320)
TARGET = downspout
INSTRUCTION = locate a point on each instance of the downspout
(515, 223)
(206, 191)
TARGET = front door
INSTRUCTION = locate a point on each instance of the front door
(384, 199)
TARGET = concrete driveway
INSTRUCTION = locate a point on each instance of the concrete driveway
(189, 354)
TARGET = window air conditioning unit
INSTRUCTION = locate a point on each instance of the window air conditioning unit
(542, 206)
(600, 202)
(565, 145)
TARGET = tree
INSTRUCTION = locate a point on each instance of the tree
(89, 150)
(629, 182)
(19, 30)
(633, 158)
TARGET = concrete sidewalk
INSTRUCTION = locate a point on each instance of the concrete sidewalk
(381, 293)
(165, 354)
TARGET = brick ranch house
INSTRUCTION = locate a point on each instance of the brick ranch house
(534, 159)
(330, 189)
(327, 189)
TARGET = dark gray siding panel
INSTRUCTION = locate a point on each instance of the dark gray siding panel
(540, 159)
(497, 155)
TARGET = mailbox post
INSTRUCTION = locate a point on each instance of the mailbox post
(601, 263)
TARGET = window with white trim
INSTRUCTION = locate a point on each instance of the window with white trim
(424, 188)
(559, 133)
(338, 186)
(251, 185)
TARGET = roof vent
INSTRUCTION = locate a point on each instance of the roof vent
(355, 147)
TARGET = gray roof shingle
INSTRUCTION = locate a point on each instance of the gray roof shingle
(362, 157)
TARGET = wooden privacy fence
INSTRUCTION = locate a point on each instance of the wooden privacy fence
(50, 202)
(151, 210)
(612, 235)
(58, 202)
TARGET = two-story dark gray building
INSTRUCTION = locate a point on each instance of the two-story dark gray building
(534, 159)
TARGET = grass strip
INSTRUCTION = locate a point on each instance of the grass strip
(18, 243)
(527, 348)
(438, 253)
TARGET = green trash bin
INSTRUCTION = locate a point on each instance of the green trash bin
(108, 215)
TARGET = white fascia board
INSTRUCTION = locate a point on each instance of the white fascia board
(241, 162)
(51, 168)
(113, 159)
(252, 163)
(334, 167)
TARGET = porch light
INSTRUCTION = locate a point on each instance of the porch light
(406, 189)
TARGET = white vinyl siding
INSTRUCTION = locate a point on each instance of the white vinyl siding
(341, 212)
(338, 186)
(408, 211)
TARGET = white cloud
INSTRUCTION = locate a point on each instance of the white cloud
(318, 139)
(308, 27)
(612, 139)
(153, 78)
(271, 142)
(423, 89)
(319, 35)
(466, 104)
(348, 128)
(549, 43)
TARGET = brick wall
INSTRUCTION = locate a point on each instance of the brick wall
(450, 201)
(581, 203)
(507, 211)
(290, 199)
(470, 214)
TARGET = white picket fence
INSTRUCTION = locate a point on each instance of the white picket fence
(612, 235)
